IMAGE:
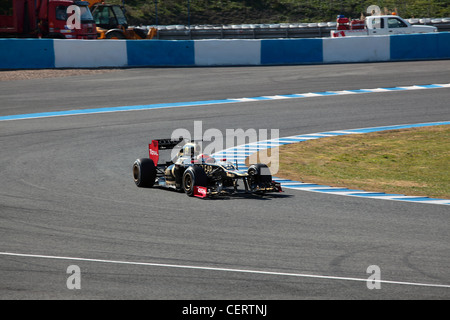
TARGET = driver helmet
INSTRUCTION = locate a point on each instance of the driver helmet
(190, 150)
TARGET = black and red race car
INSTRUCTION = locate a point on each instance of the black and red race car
(198, 174)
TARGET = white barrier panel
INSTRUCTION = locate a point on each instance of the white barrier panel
(227, 52)
(90, 53)
(356, 49)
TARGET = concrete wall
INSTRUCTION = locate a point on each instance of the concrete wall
(356, 49)
(26, 53)
(420, 46)
(85, 54)
(45, 53)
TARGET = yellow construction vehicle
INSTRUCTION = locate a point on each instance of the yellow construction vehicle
(112, 23)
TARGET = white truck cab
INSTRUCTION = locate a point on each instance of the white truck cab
(380, 25)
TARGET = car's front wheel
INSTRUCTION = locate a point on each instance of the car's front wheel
(260, 173)
(193, 176)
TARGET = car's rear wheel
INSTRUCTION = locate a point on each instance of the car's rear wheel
(144, 173)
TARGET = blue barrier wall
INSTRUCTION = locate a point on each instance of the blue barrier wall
(291, 51)
(160, 53)
(420, 46)
(26, 53)
(47, 53)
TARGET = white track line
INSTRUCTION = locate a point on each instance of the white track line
(272, 273)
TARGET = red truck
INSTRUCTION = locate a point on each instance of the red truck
(46, 19)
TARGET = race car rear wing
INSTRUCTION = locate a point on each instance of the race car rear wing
(161, 144)
(164, 144)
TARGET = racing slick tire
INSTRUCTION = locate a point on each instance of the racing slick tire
(193, 176)
(144, 173)
(115, 34)
(260, 173)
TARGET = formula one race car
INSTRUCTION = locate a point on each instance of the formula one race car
(197, 174)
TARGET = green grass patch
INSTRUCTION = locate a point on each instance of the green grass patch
(411, 161)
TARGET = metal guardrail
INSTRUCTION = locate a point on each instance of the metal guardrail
(244, 33)
(266, 31)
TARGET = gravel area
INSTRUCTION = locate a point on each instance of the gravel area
(11, 75)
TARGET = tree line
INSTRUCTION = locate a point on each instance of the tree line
(219, 12)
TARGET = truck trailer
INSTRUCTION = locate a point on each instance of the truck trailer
(45, 19)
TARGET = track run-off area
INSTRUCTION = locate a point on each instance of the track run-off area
(67, 195)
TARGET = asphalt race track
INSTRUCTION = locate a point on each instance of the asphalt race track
(67, 196)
